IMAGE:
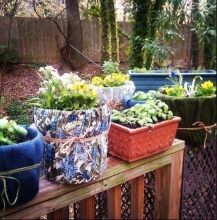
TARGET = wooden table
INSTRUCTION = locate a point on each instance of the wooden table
(53, 199)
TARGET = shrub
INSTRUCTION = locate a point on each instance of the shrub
(10, 55)
(21, 113)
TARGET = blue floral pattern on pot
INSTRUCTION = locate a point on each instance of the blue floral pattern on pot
(75, 146)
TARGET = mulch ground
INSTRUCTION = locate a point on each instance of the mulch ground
(20, 82)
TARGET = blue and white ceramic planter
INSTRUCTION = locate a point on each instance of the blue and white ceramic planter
(75, 143)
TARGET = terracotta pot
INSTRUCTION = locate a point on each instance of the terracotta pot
(193, 110)
(134, 144)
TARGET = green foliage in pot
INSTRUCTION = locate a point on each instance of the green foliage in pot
(111, 80)
(143, 96)
(112, 77)
(141, 115)
(110, 67)
(195, 103)
(10, 132)
(184, 89)
(67, 92)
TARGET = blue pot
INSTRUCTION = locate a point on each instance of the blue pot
(153, 80)
(128, 102)
(21, 184)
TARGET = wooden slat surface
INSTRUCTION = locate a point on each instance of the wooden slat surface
(53, 196)
(137, 197)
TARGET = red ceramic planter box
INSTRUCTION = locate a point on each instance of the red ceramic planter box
(134, 144)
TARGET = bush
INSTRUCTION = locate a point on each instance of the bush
(10, 55)
(21, 113)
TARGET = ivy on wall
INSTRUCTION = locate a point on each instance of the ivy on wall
(109, 32)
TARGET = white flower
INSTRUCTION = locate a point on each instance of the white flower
(68, 79)
(41, 90)
(69, 85)
(41, 69)
(55, 74)
(49, 68)
(76, 78)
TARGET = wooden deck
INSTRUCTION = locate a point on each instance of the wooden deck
(54, 199)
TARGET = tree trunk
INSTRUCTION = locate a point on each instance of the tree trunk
(194, 39)
(74, 50)
(157, 7)
(140, 31)
(209, 46)
(105, 32)
(114, 32)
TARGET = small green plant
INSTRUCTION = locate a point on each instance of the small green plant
(39, 64)
(140, 70)
(10, 132)
(143, 96)
(146, 114)
(19, 112)
(10, 55)
(110, 67)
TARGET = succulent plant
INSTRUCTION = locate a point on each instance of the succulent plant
(10, 132)
(153, 111)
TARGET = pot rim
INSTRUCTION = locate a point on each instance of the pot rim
(175, 119)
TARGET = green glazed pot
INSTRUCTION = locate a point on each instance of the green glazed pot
(199, 110)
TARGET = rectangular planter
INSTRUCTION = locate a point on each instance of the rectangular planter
(154, 79)
(134, 144)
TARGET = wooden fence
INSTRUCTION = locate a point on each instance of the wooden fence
(37, 40)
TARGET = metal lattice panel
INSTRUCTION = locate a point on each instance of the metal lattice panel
(199, 182)
(149, 192)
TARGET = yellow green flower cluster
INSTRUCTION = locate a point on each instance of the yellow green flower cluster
(206, 89)
(83, 88)
(195, 90)
(175, 91)
(186, 89)
(207, 85)
(111, 80)
(67, 92)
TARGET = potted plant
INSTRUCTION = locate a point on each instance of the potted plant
(138, 97)
(21, 150)
(113, 85)
(142, 130)
(195, 103)
(145, 80)
(74, 125)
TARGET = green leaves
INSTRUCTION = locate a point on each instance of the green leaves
(67, 92)
(110, 67)
(142, 115)
(10, 132)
